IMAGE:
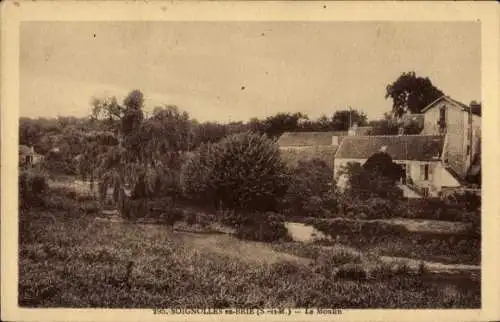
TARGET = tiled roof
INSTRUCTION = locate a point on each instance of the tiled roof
(404, 147)
(323, 152)
(308, 138)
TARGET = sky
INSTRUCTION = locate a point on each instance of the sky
(232, 71)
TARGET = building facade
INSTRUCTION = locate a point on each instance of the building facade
(462, 126)
(420, 157)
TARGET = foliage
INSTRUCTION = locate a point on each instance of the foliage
(411, 93)
(390, 125)
(265, 227)
(343, 119)
(376, 179)
(32, 188)
(282, 122)
(396, 240)
(243, 171)
(69, 263)
(311, 191)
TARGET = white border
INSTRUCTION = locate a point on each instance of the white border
(13, 14)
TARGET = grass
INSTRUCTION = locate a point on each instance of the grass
(71, 260)
(395, 239)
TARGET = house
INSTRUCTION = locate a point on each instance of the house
(462, 126)
(359, 130)
(420, 156)
(296, 146)
(28, 157)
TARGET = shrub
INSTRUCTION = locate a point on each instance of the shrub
(367, 183)
(57, 202)
(359, 231)
(327, 262)
(243, 171)
(171, 216)
(267, 227)
(311, 191)
(32, 189)
(436, 209)
(191, 218)
(371, 208)
(354, 272)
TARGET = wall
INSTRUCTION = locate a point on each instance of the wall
(455, 151)
(438, 175)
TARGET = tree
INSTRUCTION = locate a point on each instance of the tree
(386, 126)
(342, 120)
(311, 191)
(376, 178)
(282, 122)
(243, 171)
(381, 164)
(411, 93)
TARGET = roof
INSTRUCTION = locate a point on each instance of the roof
(476, 109)
(307, 138)
(293, 156)
(399, 147)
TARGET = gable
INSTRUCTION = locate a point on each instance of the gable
(459, 106)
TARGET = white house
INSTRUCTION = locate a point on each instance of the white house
(421, 157)
(462, 125)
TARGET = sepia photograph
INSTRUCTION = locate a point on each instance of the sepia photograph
(249, 167)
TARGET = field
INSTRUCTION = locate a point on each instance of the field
(68, 259)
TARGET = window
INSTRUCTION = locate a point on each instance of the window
(403, 173)
(442, 119)
(424, 172)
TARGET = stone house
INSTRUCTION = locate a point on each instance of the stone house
(420, 156)
(461, 124)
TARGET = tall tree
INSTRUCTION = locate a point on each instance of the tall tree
(342, 120)
(283, 122)
(411, 93)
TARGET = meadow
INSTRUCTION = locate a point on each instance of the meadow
(70, 259)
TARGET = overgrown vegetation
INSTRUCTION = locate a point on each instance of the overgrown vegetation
(311, 192)
(172, 273)
(397, 240)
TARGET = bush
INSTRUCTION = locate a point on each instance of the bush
(32, 189)
(243, 171)
(437, 209)
(171, 216)
(368, 183)
(266, 227)
(371, 208)
(341, 228)
(311, 191)
(191, 218)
